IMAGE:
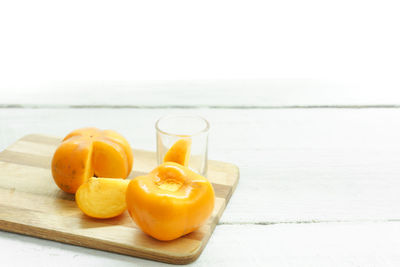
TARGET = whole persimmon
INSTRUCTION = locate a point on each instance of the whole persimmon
(87, 152)
(170, 201)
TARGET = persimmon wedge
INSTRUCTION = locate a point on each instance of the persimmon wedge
(87, 152)
(179, 152)
(102, 198)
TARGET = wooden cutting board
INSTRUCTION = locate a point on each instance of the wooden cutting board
(31, 204)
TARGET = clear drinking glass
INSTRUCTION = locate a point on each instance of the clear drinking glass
(172, 128)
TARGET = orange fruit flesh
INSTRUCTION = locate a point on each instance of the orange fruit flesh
(102, 198)
(89, 151)
(179, 152)
(109, 159)
(119, 139)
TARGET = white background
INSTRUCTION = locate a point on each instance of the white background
(350, 41)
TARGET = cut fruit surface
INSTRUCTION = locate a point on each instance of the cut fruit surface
(119, 139)
(109, 159)
(102, 198)
(179, 152)
(90, 151)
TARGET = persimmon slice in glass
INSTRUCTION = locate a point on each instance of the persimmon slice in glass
(179, 152)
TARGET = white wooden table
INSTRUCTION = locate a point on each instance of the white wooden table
(320, 166)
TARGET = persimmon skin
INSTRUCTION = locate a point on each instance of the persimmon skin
(169, 202)
(89, 132)
(102, 198)
(71, 164)
(90, 151)
(179, 152)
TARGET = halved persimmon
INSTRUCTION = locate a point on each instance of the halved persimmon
(89, 151)
(170, 201)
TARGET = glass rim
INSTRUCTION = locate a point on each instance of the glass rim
(204, 130)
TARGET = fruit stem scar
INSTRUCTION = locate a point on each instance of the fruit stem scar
(172, 185)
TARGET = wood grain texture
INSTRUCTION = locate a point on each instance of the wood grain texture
(31, 204)
(297, 165)
(352, 244)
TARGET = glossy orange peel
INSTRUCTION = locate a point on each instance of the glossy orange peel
(87, 152)
(170, 201)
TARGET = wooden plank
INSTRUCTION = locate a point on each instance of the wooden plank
(318, 244)
(297, 165)
(230, 93)
(31, 204)
(310, 245)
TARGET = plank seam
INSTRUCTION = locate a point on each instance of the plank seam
(47, 106)
(308, 222)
